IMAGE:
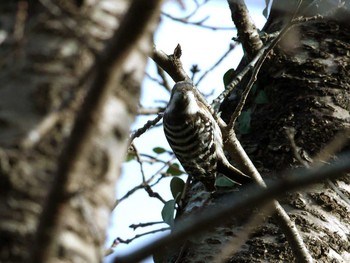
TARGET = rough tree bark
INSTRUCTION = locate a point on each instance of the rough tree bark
(307, 83)
(50, 52)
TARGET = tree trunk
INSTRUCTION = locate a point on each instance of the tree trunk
(307, 83)
(48, 49)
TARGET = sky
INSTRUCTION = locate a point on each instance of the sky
(199, 46)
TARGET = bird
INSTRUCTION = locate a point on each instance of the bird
(196, 138)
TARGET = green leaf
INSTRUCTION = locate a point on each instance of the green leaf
(224, 181)
(130, 157)
(177, 186)
(159, 150)
(261, 98)
(244, 122)
(174, 169)
(266, 8)
(254, 88)
(228, 76)
(265, 12)
(168, 212)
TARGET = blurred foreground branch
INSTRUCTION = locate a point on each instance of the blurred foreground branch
(111, 59)
(255, 197)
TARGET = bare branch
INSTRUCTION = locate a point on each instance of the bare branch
(247, 31)
(231, 47)
(142, 185)
(148, 125)
(197, 23)
(127, 241)
(257, 63)
(171, 63)
(198, 6)
(263, 53)
(136, 152)
(134, 226)
(260, 56)
(165, 83)
(150, 111)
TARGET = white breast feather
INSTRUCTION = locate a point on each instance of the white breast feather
(192, 106)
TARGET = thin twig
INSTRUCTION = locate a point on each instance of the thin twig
(147, 125)
(198, 6)
(260, 58)
(135, 226)
(138, 159)
(127, 241)
(153, 194)
(154, 79)
(197, 23)
(153, 159)
(231, 47)
(262, 52)
(165, 82)
(290, 132)
(141, 186)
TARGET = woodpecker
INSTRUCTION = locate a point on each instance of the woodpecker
(196, 138)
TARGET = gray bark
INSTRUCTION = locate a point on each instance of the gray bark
(47, 50)
(307, 83)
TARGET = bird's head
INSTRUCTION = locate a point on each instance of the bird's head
(183, 99)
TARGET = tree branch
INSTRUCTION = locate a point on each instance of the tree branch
(171, 63)
(127, 241)
(231, 48)
(247, 31)
(145, 127)
(233, 146)
(231, 206)
(259, 57)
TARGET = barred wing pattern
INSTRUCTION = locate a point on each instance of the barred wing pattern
(193, 144)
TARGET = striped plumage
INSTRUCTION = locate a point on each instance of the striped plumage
(196, 138)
